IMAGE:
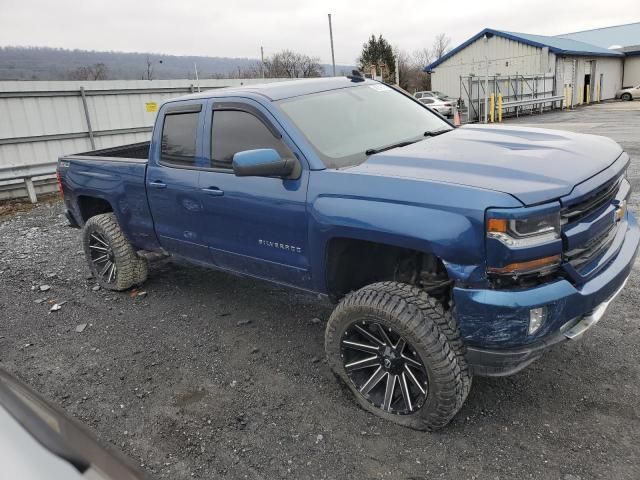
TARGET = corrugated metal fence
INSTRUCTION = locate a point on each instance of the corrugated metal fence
(40, 121)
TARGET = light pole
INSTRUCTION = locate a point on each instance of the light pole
(333, 58)
(262, 61)
(195, 69)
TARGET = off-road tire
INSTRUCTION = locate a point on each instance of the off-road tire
(131, 269)
(626, 97)
(428, 327)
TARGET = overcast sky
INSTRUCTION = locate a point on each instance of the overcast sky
(238, 28)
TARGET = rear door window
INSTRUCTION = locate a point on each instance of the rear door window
(179, 139)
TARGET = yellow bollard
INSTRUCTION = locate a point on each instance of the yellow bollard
(500, 107)
(566, 97)
(598, 92)
(588, 94)
(492, 107)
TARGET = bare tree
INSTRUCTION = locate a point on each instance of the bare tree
(97, 71)
(422, 56)
(149, 72)
(413, 78)
(440, 45)
(290, 64)
(411, 67)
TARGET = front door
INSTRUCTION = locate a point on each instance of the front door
(252, 225)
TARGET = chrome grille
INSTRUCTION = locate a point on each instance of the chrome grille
(598, 198)
(594, 203)
(581, 256)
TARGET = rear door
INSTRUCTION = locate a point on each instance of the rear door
(172, 179)
(252, 225)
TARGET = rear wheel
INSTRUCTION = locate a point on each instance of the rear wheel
(400, 354)
(112, 259)
(626, 96)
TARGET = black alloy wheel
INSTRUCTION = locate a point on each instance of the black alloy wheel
(384, 367)
(103, 258)
(113, 261)
(398, 350)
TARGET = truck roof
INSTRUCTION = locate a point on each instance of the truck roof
(284, 89)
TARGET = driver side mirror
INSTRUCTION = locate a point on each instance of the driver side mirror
(263, 162)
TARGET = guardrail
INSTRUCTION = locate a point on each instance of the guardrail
(27, 173)
(533, 102)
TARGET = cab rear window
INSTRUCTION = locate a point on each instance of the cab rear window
(178, 145)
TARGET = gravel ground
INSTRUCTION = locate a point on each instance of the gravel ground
(204, 375)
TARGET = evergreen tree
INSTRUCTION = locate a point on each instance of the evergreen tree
(378, 52)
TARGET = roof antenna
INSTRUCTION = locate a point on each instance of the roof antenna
(355, 76)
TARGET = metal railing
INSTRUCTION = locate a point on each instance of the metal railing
(475, 91)
(534, 103)
(27, 173)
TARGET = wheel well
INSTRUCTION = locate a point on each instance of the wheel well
(352, 264)
(92, 206)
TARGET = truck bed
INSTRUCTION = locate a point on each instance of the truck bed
(137, 151)
(111, 179)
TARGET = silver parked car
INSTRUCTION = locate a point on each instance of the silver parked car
(433, 94)
(628, 93)
(443, 107)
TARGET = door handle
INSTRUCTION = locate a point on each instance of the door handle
(213, 191)
(157, 184)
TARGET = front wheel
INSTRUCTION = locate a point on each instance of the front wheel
(399, 352)
(626, 96)
(112, 259)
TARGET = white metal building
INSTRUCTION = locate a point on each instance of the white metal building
(623, 38)
(585, 64)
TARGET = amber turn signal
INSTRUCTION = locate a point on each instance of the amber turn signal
(497, 225)
(525, 267)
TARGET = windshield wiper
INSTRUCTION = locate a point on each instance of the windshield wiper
(371, 151)
(435, 133)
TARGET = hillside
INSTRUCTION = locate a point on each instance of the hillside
(43, 63)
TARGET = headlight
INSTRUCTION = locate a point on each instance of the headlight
(523, 241)
(523, 232)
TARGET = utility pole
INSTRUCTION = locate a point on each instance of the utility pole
(333, 58)
(486, 79)
(262, 61)
(486, 92)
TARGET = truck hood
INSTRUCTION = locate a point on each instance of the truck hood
(533, 165)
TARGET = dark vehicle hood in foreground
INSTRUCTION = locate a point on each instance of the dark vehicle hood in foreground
(534, 165)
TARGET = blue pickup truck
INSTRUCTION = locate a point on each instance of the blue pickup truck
(449, 251)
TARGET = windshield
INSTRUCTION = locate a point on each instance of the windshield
(343, 124)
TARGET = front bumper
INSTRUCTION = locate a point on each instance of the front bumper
(501, 363)
(494, 323)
